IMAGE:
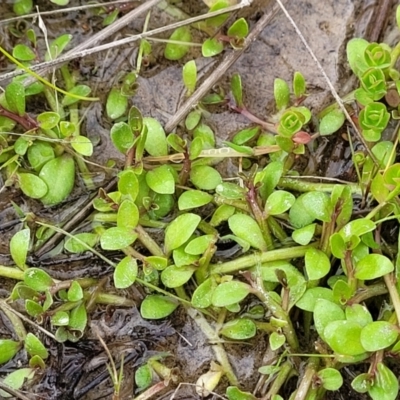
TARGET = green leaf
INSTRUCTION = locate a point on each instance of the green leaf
(279, 202)
(378, 335)
(16, 380)
(211, 47)
(78, 318)
(237, 90)
(35, 347)
(19, 246)
(281, 94)
(82, 145)
(318, 205)
(362, 383)
(312, 296)
(38, 279)
(247, 228)
(304, 235)
(199, 245)
(276, 340)
(75, 292)
(125, 273)
(15, 96)
(8, 349)
(205, 177)
(39, 154)
(161, 180)
(299, 84)
(193, 199)
(117, 104)
(317, 264)
(331, 122)
(23, 53)
(189, 75)
(57, 46)
(60, 318)
(33, 308)
(330, 378)
(221, 214)
(355, 55)
(245, 135)
(180, 230)
(174, 51)
(174, 276)
(373, 266)
(358, 313)
(143, 377)
(192, 119)
(344, 337)
(202, 296)
(239, 29)
(59, 176)
(32, 186)
(79, 90)
(122, 137)
(357, 228)
(326, 312)
(228, 293)
(386, 384)
(22, 7)
(128, 215)
(156, 306)
(196, 147)
(128, 184)
(117, 238)
(233, 393)
(73, 246)
(156, 143)
(239, 329)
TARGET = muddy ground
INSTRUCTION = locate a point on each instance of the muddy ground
(77, 371)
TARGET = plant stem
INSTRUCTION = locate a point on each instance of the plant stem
(279, 381)
(299, 185)
(305, 384)
(212, 336)
(149, 242)
(12, 273)
(251, 260)
(278, 312)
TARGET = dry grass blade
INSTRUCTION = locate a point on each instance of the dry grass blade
(86, 48)
(229, 60)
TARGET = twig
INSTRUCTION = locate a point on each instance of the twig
(65, 10)
(80, 51)
(9, 308)
(13, 392)
(219, 72)
(328, 81)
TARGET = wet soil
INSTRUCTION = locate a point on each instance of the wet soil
(78, 371)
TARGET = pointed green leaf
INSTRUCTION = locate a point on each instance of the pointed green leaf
(125, 273)
(117, 238)
(156, 306)
(35, 347)
(19, 246)
(247, 228)
(38, 279)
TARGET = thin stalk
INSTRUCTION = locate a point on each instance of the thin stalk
(279, 381)
(149, 242)
(278, 312)
(298, 185)
(16, 322)
(12, 273)
(305, 384)
(212, 336)
(252, 260)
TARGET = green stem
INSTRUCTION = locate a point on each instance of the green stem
(85, 173)
(12, 273)
(366, 293)
(277, 312)
(279, 381)
(276, 229)
(53, 103)
(300, 185)
(106, 298)
(251, 260)
(212, 336)
(149, 242)
(390, 282)
(305, 384)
